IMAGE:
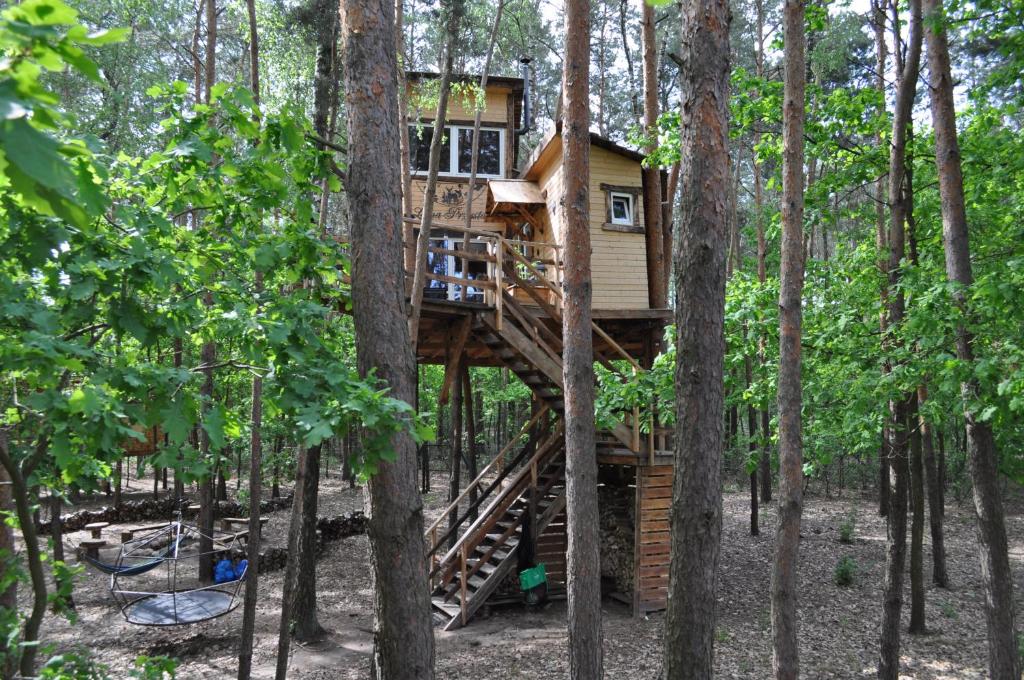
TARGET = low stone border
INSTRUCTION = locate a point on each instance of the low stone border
(149, 510)
(328, 529)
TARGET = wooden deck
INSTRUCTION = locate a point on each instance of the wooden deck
(632, 329)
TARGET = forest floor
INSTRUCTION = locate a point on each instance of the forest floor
(838, 625)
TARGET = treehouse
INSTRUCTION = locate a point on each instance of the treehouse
(492, 296)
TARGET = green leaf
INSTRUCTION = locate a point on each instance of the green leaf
(176, 423)
(83, 401)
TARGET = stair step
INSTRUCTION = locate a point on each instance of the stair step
(450, 609)
(486, 568)
(476, 582)
(499, 554)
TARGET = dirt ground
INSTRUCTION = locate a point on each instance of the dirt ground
(838, 625)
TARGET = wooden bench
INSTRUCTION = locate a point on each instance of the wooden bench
(92, 546)
(129, 534)
(229, 523)
(96, 529)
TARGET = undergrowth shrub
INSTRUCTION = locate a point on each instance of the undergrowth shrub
(845, 572)
(847, 528)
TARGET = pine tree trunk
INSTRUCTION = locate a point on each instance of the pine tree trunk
(981, 450)
(57, 535)
(255, 433)
(896, 546)
(208, 354)
(208, 357)
(785, 657)
(33, 556)
(878, 21)
(8, 596)
(653, 213)
(902, 408)
(700, 273)
(917, 594)
(306, 625)
(583, 558)
(403, 636)
(940, 577)
(752, 450)
(118, 479)
(291, 568)
(454, 10)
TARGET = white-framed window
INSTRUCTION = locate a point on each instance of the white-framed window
(621, 208)
(457, 150)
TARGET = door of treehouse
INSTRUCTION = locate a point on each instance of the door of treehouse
(443, 263)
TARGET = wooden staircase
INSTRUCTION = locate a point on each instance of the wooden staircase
(515, 500)
(524, 497)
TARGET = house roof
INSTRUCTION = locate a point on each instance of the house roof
(547, 148)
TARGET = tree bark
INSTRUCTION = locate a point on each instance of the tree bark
(878, 8)
(477, 116)
(403, 637)
(785, 656)
(917, 594)
(981, 449)
(208, 357)
(57, 535)
(33, 556)
(583, 558)
(752, 451)
(305, 624)
(291, 568)
(902, 408)
(653, 213)
(455, 8)
(765, 461)
(255, 471)
(8, 596)
(208, 354)
(940, 576)
(700, 274)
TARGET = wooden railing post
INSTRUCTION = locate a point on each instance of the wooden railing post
(499, 291)
(463, 585)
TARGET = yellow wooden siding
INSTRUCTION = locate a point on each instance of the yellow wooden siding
(462, 109)
(618, 260)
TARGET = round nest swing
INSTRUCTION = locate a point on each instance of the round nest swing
(155, 579)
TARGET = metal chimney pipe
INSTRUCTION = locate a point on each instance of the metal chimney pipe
(524, 71)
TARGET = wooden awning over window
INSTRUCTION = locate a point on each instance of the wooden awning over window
(507, 197)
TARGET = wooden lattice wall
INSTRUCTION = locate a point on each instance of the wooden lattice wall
(653, 500)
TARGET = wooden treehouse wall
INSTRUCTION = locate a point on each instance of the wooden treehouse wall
(653, 541)
(618, 259)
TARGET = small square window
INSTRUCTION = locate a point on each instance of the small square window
(622, 208)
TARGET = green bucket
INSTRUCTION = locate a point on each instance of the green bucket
(532, 577)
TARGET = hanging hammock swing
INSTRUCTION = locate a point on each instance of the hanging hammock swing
(155, 578)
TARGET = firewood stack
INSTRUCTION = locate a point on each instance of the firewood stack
(617, 516)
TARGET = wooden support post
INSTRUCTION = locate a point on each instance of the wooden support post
(455, 460)
(499, 291)
(451, 369)
(467, 397)
(463, 610)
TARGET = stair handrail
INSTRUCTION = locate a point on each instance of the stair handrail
(597, 329)
(485, 515)
(487, 469)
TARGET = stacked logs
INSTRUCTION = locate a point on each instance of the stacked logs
(617, 527)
